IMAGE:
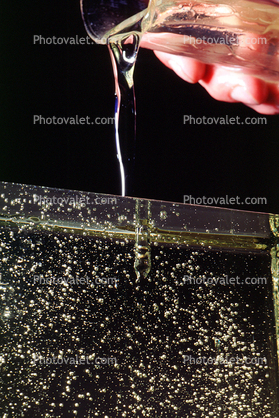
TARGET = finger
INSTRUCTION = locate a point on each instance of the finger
(265, 109)
(271, 104)
(233, 86)
(188, 69)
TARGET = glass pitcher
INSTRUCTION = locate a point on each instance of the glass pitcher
(242, 34)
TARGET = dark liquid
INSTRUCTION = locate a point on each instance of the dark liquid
(142, 330)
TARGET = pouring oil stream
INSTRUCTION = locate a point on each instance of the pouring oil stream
(123, 52)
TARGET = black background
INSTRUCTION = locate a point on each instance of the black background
(69, 80)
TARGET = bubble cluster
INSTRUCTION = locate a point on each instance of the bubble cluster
(149, 326)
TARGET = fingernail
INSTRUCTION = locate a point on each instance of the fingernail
(240, 94)
(180, 71)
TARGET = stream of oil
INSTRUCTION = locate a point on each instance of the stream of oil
(124, 51)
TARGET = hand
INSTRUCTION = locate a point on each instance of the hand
(226, 84)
